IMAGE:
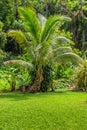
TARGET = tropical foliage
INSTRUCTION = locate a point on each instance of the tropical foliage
(43, 50)
(81, 77)
(40, 39)
(36, 34)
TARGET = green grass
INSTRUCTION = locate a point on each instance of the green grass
(63, 110)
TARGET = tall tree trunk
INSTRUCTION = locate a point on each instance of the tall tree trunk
(77, 25)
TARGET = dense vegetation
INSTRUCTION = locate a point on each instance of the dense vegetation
(43, 45)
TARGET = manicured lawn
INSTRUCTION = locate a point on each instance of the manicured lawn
(43, 111)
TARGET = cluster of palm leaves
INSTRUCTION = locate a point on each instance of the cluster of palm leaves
(39, 39)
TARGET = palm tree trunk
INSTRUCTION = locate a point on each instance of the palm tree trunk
(38, 80)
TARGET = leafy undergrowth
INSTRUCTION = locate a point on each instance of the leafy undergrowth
(62, 110)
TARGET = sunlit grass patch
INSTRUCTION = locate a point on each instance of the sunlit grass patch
(62, 110)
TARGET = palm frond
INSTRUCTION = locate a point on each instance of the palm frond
(61, 50)
(30, 19)
(50, 23)
(48, 57)
(65, 54)
(44, 49)
(42, 20)
(66, 19)
(46, 54)
(18, 36)
(18, 62)
(70, 56)
(63, 39)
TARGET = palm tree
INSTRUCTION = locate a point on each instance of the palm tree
(40, 39)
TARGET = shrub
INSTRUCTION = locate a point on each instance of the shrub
(81, 77)
(63, 75)
(4, 85)
(2, 56)
(12, 78)
(61, 83)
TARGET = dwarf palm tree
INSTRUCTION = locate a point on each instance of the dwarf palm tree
(39, 39)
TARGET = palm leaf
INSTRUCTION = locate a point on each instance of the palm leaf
(50, 23)
(66, 19)
(31, 22)
(18, 62)
(63, 39)
(62, 50)
(70, 56)
(19, 37)
(49, 28)
(42, 20)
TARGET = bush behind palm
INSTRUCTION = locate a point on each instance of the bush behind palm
(81, 77)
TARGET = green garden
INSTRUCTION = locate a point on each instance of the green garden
(43, 65)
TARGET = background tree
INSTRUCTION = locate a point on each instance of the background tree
(76, 10)
(3, 39)
(7, 13)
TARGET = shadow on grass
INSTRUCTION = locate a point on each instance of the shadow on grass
(20, 96)
(17, 96)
